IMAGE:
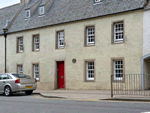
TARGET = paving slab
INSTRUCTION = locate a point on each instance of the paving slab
(90, 95)
(75, 94)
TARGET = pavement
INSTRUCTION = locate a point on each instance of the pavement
(91, 95)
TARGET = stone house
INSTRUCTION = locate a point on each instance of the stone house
(73, 44)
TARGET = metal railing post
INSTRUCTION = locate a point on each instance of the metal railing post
(111, 79)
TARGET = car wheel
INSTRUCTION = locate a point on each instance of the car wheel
(28, 92)
(7, 91)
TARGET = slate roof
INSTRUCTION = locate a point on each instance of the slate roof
(6, 14)
(63, 11)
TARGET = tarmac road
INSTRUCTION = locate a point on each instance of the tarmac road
(21, 103)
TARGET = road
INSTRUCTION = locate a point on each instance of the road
(21, 103)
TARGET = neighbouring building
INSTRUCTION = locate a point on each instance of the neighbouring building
(145, 60)
(74, 44)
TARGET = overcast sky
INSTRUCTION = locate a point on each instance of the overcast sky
(4, 3)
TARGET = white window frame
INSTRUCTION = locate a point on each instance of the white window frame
(36, 42)
(20, 69)
(20, 45)
(60, 37)
(118, 69)
(87, 71)
(90, 36)
(36, 70)
(28, 11)
(121, 31)
(41, 10)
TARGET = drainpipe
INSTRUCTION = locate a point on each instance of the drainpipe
(146, 2)
(5, 36)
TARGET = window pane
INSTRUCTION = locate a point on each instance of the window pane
(36, 71)
(21, 76)
(118, 32)
(118, 70)
(20, 69)
(36, 42)
(90, 35)
(90, 70)
(60, 39)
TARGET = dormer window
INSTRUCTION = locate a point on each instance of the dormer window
(96, 1)
(41, 10)
(28, 13)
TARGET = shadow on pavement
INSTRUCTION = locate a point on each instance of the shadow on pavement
(19, 94)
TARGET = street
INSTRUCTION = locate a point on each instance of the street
(21, 103)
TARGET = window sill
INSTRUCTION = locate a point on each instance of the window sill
(36, 51)
(42, 15)
(121, 42)
(89, 45)
(119, 81)
(19, 52)
(27, 18)
(97, 3)
(89, 80)
(60, 48)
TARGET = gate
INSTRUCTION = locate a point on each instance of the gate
(131, 84)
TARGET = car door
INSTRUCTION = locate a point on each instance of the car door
(4, 80)
(1, 84)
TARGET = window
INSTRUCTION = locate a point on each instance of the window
(21, 76)
(19, 44)
(20, 69)
(60, 39)
(90, 36)
(41, 10)
(90, 70)
(97, 1)
(118, 68)
(36, 71)
(118, 32)
(4, 76)
(28, 13)
(36, 43)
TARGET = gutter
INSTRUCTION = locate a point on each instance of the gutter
(146, 2)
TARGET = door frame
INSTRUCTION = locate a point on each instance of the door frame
(56, 74)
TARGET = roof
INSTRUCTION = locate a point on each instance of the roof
(6, 14)
(63, 11)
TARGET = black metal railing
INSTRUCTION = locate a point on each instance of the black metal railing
(131, 84)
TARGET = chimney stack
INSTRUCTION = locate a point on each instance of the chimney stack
(24, 2)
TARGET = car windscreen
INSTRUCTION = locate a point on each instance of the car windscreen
(21, 76)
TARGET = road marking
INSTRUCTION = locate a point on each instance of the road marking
(40, 96)
(37, 96)
(124, 101)
(145, 112)
(84, 99)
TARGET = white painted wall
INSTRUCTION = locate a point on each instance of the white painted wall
(2, 54)
(146, 33)
(102, 52)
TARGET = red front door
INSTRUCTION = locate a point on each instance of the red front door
(61, 76)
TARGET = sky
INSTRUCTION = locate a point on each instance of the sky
(5, 3)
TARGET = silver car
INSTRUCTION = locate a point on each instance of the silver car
(13, 82)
